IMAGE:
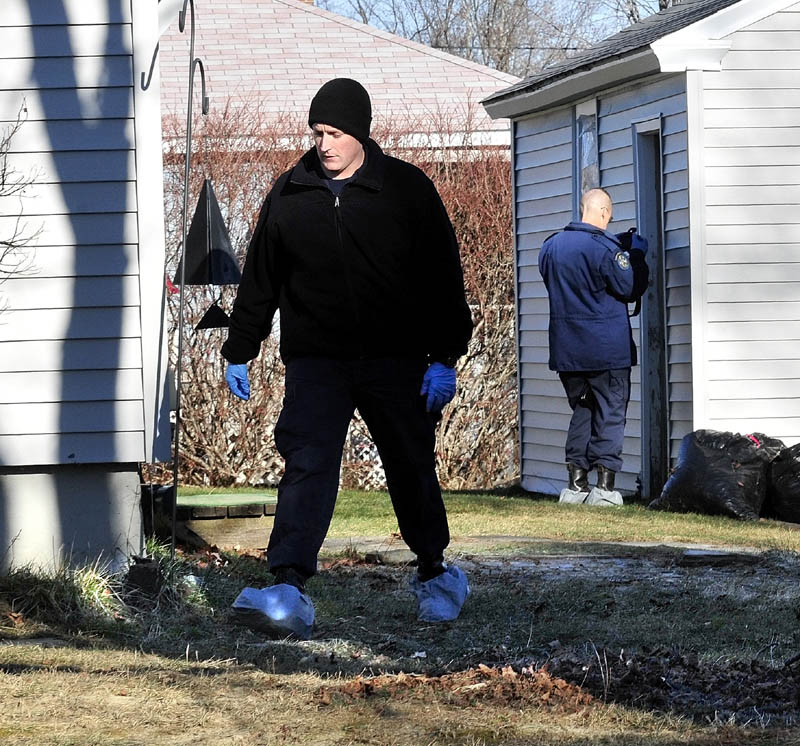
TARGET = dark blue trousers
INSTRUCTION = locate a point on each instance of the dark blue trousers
(321, 397)
(599, 403)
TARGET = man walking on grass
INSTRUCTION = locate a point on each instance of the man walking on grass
(355, 250)
(591, 275)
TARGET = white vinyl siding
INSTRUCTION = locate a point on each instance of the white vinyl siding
(76, 370)
(751, 118)
(543, 176)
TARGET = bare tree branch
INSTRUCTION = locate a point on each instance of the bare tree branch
(227, 442)
(515, 36)
(17, 243)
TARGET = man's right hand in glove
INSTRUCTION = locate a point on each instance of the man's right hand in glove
(236, 376)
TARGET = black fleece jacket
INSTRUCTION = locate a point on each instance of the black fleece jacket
(373, 273)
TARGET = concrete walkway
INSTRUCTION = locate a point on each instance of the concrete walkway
(392, 550)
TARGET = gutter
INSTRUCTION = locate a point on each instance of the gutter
(576, 86)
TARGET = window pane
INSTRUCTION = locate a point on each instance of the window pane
(587, 152)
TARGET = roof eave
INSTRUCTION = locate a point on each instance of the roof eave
(574, 87)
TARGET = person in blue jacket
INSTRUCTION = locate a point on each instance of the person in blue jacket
(591, 276)
(356, 252)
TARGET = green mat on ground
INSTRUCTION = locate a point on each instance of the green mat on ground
(227, 499)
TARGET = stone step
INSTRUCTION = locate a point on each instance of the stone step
(227, 505)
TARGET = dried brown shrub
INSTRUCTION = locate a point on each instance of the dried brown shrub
(226, 442)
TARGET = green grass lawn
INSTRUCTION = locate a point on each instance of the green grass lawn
(87, 658)
(370, 514)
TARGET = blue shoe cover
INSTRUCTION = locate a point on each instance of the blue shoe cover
(604, 498)
(572, 497)
(280, 610)
(441, 598)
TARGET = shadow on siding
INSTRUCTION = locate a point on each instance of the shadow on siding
(107, 228)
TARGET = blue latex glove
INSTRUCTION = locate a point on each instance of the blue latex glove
(439, 385)
(639, 242)
(236, 376)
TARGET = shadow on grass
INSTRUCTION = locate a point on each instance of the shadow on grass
(707, 643)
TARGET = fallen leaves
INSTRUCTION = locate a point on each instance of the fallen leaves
(480, 685)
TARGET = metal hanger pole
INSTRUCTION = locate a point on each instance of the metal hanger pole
(182, 263)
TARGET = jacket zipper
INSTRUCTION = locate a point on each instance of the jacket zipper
(348, 279)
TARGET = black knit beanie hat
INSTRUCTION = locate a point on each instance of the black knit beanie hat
(342, 103)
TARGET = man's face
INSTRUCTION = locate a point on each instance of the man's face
(339, 153)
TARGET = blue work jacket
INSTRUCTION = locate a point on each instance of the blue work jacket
(590, 279)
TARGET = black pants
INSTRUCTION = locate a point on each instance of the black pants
(599, 402)
(321, 397)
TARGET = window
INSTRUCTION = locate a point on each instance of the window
(586, 157)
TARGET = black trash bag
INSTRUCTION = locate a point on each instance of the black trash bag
(783, 491)
(720, 473)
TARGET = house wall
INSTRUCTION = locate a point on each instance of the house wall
(80, 334)
(544, 202)
(750, 309)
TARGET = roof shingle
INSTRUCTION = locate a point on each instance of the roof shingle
(621, 44)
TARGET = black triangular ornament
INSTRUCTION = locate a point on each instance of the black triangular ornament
(208, 252)
(214, 318)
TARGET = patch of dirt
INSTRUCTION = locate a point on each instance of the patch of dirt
(659, 681)
(669, 681)
(670, 677)
(484, 684)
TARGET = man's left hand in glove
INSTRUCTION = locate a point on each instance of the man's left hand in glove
(439, 386)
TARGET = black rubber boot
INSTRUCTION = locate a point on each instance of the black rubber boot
(605, 478)
(578, 478)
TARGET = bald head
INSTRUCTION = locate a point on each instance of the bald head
(596, 208)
